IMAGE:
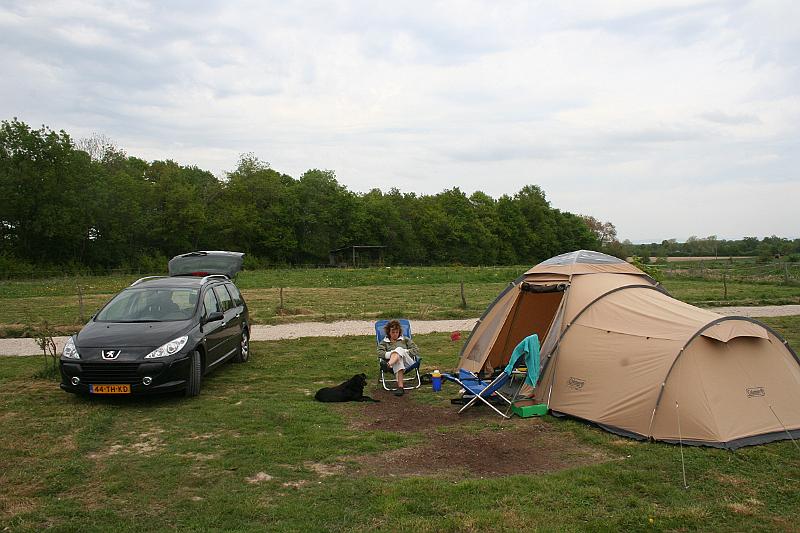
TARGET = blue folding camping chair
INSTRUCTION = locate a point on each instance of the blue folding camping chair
(480, 390)
(527, 350)
(386, 370)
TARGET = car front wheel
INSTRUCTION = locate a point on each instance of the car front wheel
(244, 348)
(195, 374)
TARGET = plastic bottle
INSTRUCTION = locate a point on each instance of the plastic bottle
(436, 381)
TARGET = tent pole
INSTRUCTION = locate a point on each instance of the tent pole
(680, 439)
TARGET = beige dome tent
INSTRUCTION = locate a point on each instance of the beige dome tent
(618, 351)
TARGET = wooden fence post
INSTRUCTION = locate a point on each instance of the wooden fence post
(463, 299)
(725, 285)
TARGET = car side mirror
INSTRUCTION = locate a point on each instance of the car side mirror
(213, 317)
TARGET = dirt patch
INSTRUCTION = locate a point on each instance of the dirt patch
(324, 470)
(748, 507)
(69, 442)
(150, 442)
(11, 506)
(258, 478)
(208, 436)
(295, 484)
(732, 480)
(204, 436)
(510, 450)
(199, 456)
(404, 414)
(514, 446)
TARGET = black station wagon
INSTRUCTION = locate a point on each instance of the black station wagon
(163, 333)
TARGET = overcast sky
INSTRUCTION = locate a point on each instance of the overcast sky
(667, 118)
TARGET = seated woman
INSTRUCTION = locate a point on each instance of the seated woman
(398, 351)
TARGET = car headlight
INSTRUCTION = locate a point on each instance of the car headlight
(70, 351)
(170, 348)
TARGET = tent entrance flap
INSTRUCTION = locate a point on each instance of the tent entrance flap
(532, 313)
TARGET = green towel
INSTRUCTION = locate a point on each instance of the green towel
(529, 347)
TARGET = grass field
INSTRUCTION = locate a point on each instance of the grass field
(741, 269)
(335, 294)
(254, 452)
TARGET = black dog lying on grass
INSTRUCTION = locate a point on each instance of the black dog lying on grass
(351, 390)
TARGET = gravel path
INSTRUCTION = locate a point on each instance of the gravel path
(365, 327)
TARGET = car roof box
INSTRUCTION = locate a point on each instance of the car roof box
(205, 263)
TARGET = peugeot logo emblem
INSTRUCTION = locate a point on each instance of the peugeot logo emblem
(110, 354)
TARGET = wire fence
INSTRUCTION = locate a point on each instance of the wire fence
(773, 273)
(779, 272)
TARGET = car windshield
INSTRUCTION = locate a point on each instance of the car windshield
(150, 305)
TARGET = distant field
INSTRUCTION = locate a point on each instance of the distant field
(747, 270)
(336, 294)
(308, 294)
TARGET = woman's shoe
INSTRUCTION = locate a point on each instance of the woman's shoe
(399, 392)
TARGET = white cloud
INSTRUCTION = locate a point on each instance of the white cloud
(622, 110)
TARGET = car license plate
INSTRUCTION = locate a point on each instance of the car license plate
(110, 389)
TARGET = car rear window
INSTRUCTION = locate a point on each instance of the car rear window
(225, 300)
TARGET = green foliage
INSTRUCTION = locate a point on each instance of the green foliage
(42, 183)
(43, 335)
(11, 267)
(622, 250)
(711, 246)
(642, 263)
(66, 208)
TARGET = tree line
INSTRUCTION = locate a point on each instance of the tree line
(87, 204)
(711, 246)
